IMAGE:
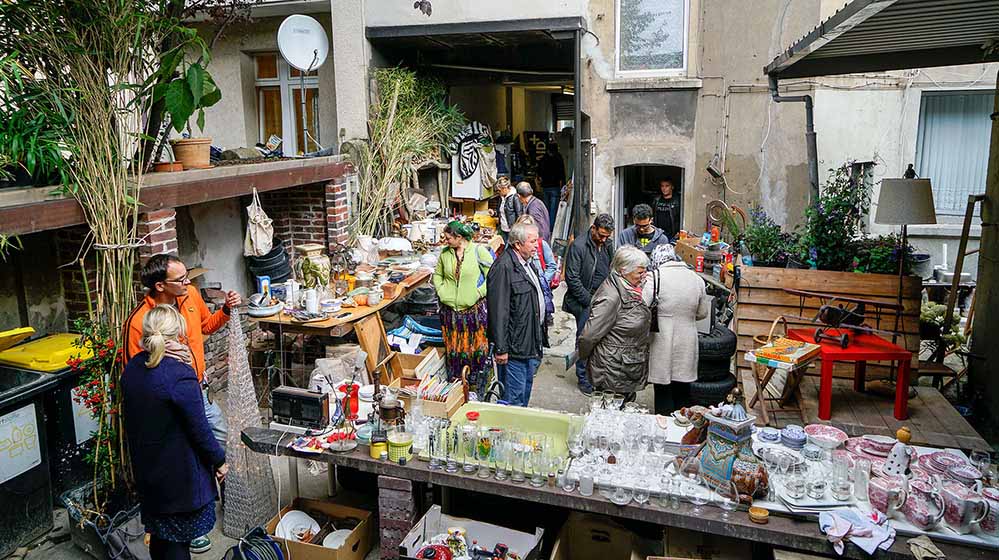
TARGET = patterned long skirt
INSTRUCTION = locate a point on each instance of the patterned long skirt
(465, 340)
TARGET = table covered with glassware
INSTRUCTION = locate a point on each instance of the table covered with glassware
(634, 465)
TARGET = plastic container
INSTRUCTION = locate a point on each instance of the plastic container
(68, 424)
(25, 481)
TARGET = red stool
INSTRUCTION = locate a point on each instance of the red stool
(863, 347)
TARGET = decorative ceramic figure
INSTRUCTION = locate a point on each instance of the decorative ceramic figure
(901, 455)
(725, 451)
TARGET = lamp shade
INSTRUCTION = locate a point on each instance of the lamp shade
(906, 202)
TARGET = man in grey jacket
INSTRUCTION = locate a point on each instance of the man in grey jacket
(643, 233)
(536, 208)
(587, 265)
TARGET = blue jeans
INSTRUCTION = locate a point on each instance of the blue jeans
(215, 419)
(552, 196)
(581, 363)
(517, 377)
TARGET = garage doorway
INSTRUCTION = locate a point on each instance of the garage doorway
(637, 184)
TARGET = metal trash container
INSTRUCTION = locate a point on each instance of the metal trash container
(25, 482)
(69, 426)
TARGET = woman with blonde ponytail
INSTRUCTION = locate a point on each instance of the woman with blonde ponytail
(175, 457)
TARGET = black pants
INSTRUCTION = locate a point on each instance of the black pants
(160, 549)
(671, 397)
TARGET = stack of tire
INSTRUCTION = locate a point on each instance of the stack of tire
(274, 264)
(714, 366)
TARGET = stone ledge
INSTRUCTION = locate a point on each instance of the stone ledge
(652, 84)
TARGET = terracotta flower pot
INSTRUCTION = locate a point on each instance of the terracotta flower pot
(193, 153)
(164, 166)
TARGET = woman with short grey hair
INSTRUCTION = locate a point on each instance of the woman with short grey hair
(615, 340)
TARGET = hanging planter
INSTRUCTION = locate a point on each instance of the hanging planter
(192, 153)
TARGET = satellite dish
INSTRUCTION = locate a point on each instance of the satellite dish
(303, 43)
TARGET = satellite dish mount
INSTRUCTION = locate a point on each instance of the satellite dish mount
(304, 45)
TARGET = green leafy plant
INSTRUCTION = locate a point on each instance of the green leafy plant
(97, 393)
(833, 224)
(766, 241)
(932, 314)
(188, 94)
(880, 255)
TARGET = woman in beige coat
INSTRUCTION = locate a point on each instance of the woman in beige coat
(681, 302)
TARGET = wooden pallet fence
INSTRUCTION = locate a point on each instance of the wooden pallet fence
(762, 299)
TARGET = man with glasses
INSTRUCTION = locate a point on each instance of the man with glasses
(166, 281)
(643, 233)
(587, 265)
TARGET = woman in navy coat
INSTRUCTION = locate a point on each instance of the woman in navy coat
(175, 457)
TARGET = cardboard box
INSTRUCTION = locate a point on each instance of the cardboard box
(437, 409)
(436, 523)
(415, 366)
(688, 250)
(691, 545)
(356, 546)
(594, 537)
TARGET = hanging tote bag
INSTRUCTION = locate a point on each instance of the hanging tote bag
(259, 229)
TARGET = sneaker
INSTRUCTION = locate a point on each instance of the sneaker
(586, 389)
(201, 544)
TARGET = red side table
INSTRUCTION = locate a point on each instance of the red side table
(863, 347)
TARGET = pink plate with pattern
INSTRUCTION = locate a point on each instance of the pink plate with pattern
(826, 436)
(945, 461)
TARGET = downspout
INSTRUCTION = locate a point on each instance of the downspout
(813, 152)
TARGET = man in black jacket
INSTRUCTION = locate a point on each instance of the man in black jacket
(587, 265)
(516, 305)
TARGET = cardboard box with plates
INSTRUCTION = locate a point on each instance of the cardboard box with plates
(436, 524)
(348, 533)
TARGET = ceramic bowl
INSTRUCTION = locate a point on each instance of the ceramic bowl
(813, 452)
(828, 437)
(771, 435)
(964, 474)
(759, 515)
(878, 444)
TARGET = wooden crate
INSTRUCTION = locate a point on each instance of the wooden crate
(437, 409)
(762, 299)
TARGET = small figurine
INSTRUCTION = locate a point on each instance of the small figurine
(901, 455)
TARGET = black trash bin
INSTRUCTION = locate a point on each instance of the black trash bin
(69, 426)
(25, 482)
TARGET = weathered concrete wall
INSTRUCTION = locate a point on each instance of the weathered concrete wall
(233, 121)
(42, 288)
(719, 107)
(380, 13)
(211, 235)
(352, 53)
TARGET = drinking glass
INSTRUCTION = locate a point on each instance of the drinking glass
(616, 401)
(539, 460)
(620, 494)
(452, 447)
(729, 496)
(469, 441)
(483, 449)
(499, 455)
(817, 486)
(519, 453)
(981, 460)
(861, 477)
(596, 400)
(642, 493)
(435, 447)
(574, 436)
(567, 483)
(840, 485)
(586, 482)
(795, 486)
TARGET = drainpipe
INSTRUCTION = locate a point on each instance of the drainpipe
(813, 152)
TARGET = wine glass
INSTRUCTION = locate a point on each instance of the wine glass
(695, 491)
(729, 496)
(981, 460)
(574, 436)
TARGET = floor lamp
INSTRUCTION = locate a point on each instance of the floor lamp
(905, 202)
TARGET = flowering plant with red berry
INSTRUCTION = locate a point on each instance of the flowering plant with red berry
(100, 363)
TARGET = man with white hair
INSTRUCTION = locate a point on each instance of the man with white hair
(516, 303)
(534, 207)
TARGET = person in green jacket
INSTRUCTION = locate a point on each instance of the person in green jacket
(460, 281)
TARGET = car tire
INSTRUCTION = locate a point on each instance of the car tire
(713, 369)
(719, 344)
(710, 393)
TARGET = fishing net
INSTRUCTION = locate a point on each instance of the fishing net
(250, 497)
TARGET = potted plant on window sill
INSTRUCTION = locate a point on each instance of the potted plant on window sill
(190, 93)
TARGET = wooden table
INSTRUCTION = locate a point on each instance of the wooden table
(783, 532)
(338, 326)
(863, 347)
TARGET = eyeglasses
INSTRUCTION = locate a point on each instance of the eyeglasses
(182, 280)
(645, 228)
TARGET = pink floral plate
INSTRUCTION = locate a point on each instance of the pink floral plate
(826, 436)
(856, 446)
(927, 465)
(945, 461)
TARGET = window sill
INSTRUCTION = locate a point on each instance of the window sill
(652, 84)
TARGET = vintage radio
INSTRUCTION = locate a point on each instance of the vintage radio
(300, 407)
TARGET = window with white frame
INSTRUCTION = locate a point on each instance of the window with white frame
(652, 37)
(952, 145)
(279, 103)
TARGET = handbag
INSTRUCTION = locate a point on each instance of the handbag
(557, 279)
(259, 230)
(654, 308)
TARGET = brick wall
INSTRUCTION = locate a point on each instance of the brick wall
(69, 242)
(337, 213)
(299, 214)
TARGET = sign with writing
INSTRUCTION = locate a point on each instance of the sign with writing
(536, 144)
(20, 448)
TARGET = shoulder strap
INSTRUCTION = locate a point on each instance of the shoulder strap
(541, 254)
